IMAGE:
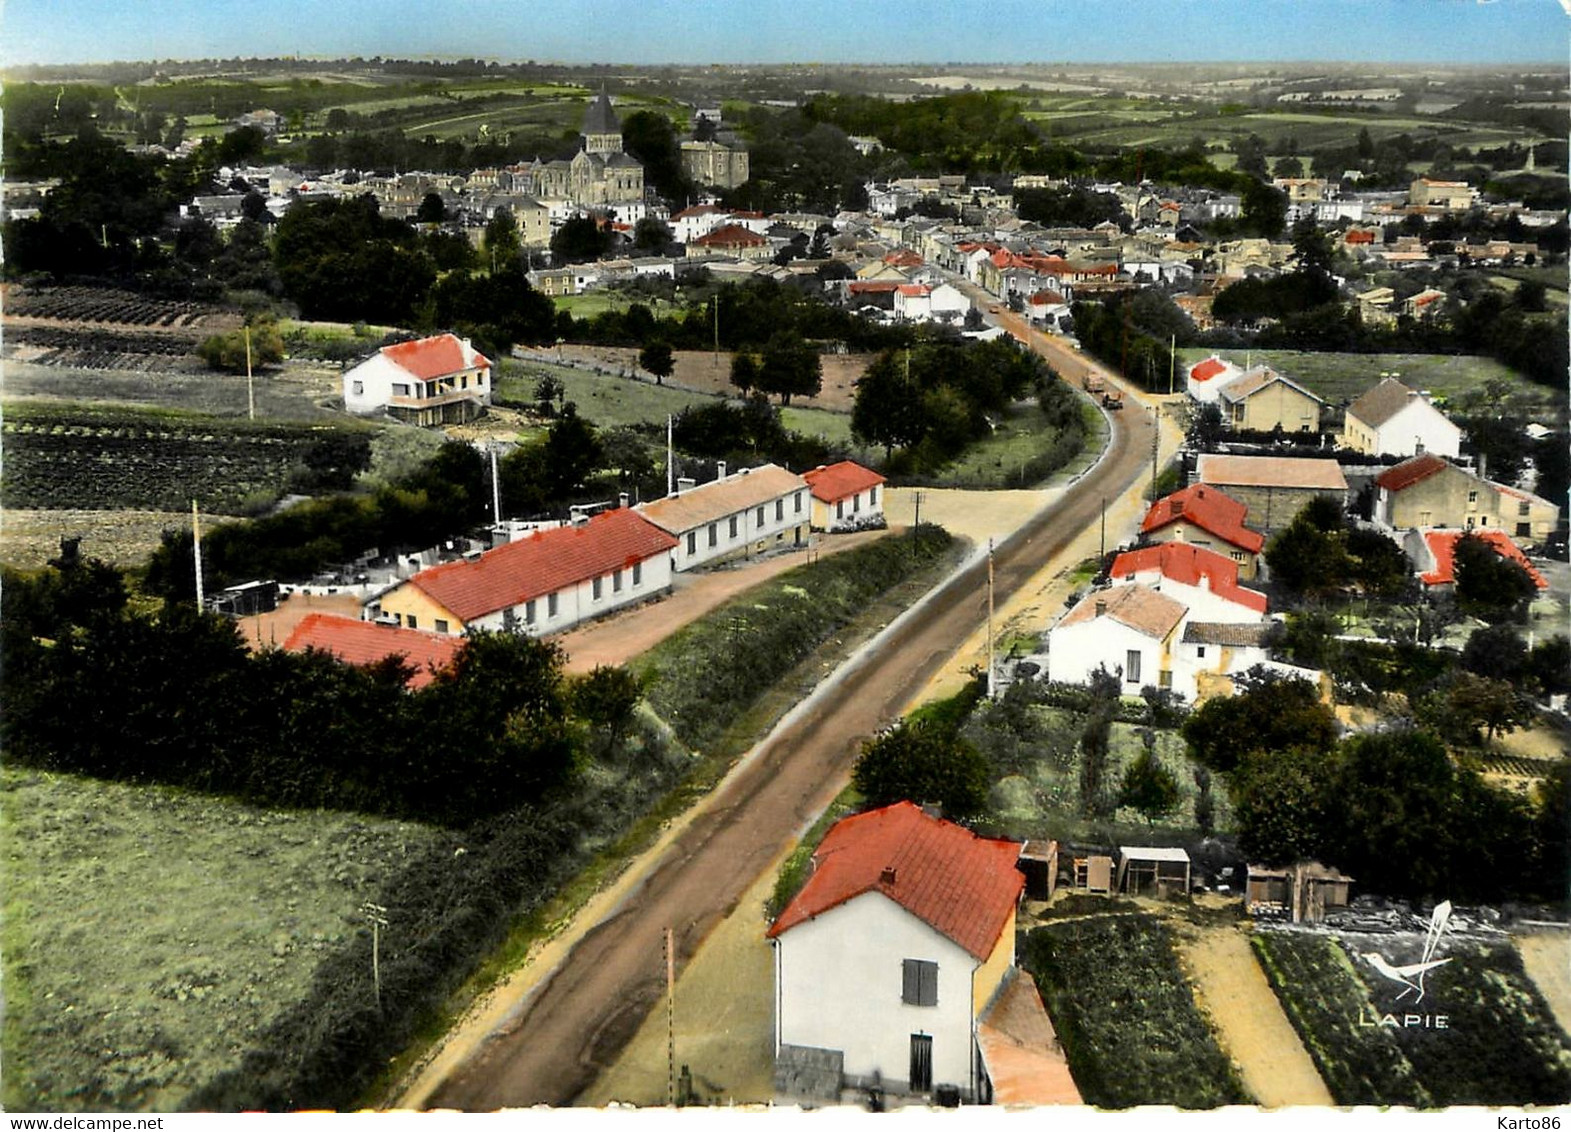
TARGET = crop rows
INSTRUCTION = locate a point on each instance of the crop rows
(106, 464)
(105, 349)
(1125, 1015)
(1499, 1046)
(93, 304)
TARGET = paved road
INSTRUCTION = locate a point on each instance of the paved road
(581, 1015)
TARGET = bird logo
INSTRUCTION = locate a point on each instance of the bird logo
(1411, 975)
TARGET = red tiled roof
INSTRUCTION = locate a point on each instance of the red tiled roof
(362, 643)
(543, 563)
(915, 289)
(1188, 564)
(1356, 237)
(1208, 369)
(731, 235)
(1208, 509)
(1047, 297)
(961, 885)
(903, 258)
(841, 481)
(1139, 607)
(1409, 472)
(873, 286)
(427, 358)
(1442, 546)
(698, 210)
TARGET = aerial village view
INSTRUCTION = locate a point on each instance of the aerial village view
(777, 555)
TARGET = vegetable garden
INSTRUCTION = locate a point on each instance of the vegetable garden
(1124, 1012)
(113, 459)
(97, 304)
(1500, 1045)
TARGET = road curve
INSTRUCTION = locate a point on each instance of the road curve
(582, 1014)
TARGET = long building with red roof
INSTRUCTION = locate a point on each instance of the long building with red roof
(1205, 517)
(543, 583)
(905, 927)
(1203, 580)
(364, 643)
(1433, 554)
(436, 380)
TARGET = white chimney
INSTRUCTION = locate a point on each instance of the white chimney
(719, 469)
(685, 483)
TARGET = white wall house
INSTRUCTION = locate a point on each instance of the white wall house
(1209, 650)
(1393, 420)
(1131, 631)
(846, 497)
(435, 380)
(892, 951)
(747, 512)
(1205, 379)
(544, 583)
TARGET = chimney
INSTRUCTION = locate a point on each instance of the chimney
(887, 876)
(685, 483)
(719, 469)
(621, 500)
(1101, 608)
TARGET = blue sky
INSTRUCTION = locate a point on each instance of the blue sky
(770, 31)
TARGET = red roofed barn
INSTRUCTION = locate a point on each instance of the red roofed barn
(846, 497)
(438, 380)
(364, 643)
(545, 582)
(890, 955)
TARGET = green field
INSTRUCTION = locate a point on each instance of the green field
(1125, 1015)
(1340, 378)
(611, 401)
(151, 936)
(1006, 458)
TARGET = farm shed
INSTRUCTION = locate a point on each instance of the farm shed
(1142, 868)
(1094, 874)
(1039, 862)
(1305, 889)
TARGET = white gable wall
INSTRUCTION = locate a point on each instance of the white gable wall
(368, 388)
(1075, 651)
(1418, 423)
(1203, 604)
(838, 985)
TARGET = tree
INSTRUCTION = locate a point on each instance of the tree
(432, 209)
(1466, 708)
(580, 239)
(608, 699)
(789, 367)
(1095, 800)
(571, 454)
(1307, 559)
(1489, 585)
(1148, 787)
(503, 245)
(1263, 210)
(1282, 804)
(1270, 714)
(651, 235)
(1550, 665)
(921, 761)
(228, 351)
(1497, 651)
(744, 370)
(1393, 825)
(656, 358)
(1205, 806)
(887, 409)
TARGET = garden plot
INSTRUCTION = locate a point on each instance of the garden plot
(1500, 1044)
(1125, 1014)
(152, 936)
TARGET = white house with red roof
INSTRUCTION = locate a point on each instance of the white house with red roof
(1205, 516)
(919, 302)
(698, 220)
(846, 497)
(543, 583)
(1205, 379)
(888, 959)
(437, 380)
(1205, 582)
(731, 239)
(1390, 419)
(364, 643)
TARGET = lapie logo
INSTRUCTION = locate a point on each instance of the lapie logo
(1411, 977)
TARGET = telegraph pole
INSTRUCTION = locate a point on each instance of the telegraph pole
(196, 552)
(376, 916)
(250, 387)
(990, 689)
(1104, 528)
(670, 1017)
(1156, 435)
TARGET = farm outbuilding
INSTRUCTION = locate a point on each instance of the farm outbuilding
(1152, 869)
(1039, 862)
(1305, 890)
(1094, 874)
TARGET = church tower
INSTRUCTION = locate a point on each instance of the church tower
(602, 130)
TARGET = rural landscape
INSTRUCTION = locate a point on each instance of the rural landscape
(784, 584)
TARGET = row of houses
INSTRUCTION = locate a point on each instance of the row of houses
(553, 577)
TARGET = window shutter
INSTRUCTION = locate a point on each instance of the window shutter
(928, 991)
(911, 979)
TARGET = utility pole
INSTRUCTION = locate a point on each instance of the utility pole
(1103, 553)
(1172, 362)
(376, 916)
(670, 457)
(916, 497)
(990, 690)
(250, 387)
(670, 1017)
(717, 330)
(196, 552)
(496, 488)
(1156, 435)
